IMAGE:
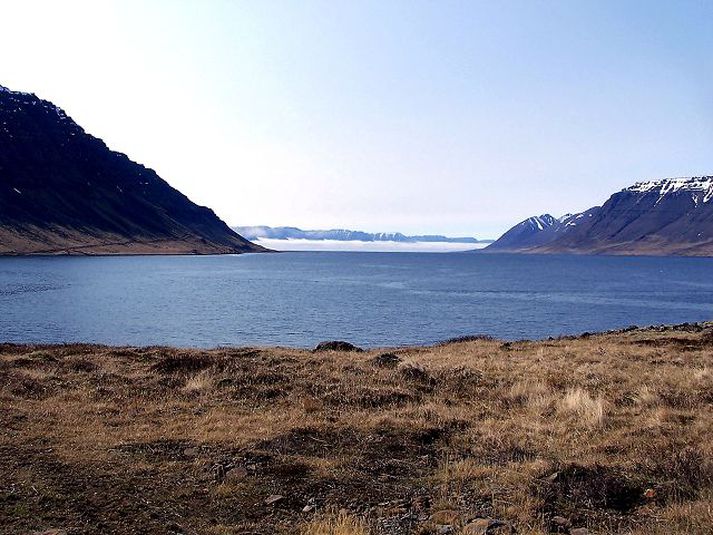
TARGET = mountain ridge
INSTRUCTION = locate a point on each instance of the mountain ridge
(294, 233)
(63, 191)
(669, 216)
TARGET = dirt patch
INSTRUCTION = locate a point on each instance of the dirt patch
(160, 449)
(678, 472)
(88, 498)
(312, 441)
(586, 494)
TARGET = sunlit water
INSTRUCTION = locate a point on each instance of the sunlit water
(371, 299)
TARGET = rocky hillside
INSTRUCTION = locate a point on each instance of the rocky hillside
(673, 216)
(62, 191)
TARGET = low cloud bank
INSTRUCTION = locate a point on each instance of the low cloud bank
(374, 246)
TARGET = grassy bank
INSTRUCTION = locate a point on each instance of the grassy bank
(612, 433)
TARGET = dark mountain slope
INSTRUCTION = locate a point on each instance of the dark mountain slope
(539, 231)
(63, 191)
(670, 216)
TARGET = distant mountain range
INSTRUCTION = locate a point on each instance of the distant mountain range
(62, 191)
(671, 216)
(294, 233)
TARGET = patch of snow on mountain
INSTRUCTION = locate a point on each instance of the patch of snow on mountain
(700, 187)
(541, 222)
(669, 185)
(537, 222)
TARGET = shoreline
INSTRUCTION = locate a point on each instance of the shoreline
(690, 327)
(122, 255)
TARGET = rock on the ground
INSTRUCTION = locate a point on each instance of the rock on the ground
(337, 345)
(272, 500)
(191, 452)
(236, 474)
(560, 524)
(386, 360)
(487, 526)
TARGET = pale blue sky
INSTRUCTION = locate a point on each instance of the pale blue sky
(413, 116)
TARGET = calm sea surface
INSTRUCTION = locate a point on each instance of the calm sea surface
(371, 299)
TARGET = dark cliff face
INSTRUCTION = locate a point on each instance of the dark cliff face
(669, 216)
(63, 190)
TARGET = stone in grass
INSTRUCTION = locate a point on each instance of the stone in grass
(560, 524)
(337, 345)
(386, 360)
(487, 526)
(191, 452)
(275, 498)
(236, 474)
(579, 531)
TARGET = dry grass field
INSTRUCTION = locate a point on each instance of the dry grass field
(606, 433)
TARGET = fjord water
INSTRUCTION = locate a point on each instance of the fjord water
(371, 299)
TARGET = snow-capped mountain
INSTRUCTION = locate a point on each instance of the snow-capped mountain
(294, 233)
(64, 191)
(534, 231)
(667, 216)
(538, 231)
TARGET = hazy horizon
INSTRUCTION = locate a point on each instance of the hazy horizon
(388, 231)
(453, 118)
(303, 245)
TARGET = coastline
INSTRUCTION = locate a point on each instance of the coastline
(593, 252)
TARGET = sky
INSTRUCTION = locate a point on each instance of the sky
(457, 118)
